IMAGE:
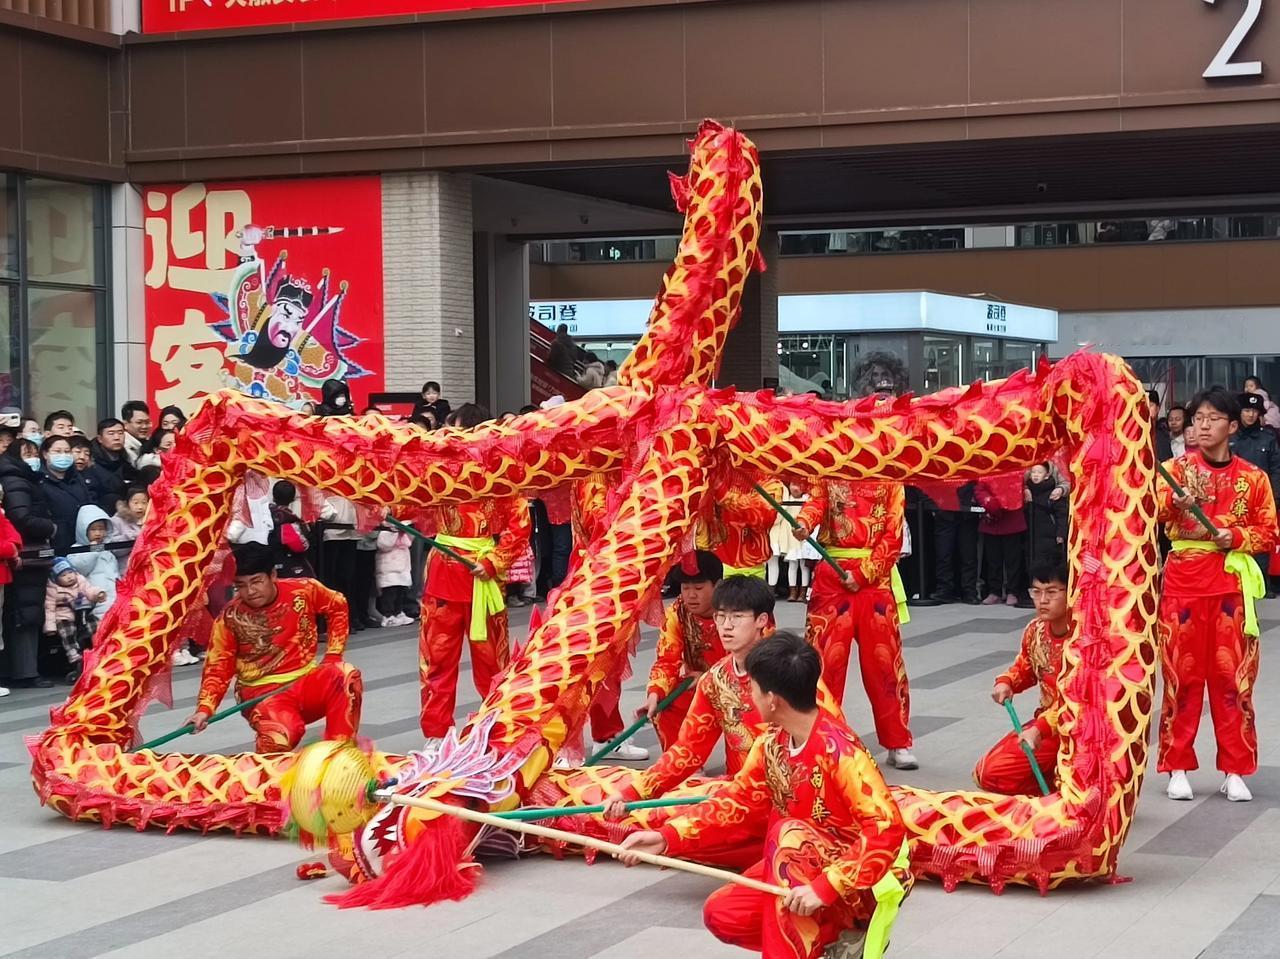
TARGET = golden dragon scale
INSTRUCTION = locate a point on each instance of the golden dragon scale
(663, 435)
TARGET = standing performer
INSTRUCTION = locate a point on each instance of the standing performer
(688, 645)
(1208, 625)
(1005, 769)
(812, 793)
(467, 602)
(738, 530)
(861, 527)
(267, 637)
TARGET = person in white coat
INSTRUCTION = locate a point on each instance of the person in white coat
(96, 564)
(394, 576)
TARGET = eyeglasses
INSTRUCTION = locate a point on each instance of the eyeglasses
(1204, 419)
(1047, 592)
(732, 619)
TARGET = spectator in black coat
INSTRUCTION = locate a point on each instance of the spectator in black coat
(335, 399)
(432, 402)
(1159, 428)
(110, 472)
(1258, 444)
(28, 510)
(65, 489)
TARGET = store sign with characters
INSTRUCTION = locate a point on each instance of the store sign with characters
(175, 16)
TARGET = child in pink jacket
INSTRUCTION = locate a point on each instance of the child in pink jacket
(394, 575)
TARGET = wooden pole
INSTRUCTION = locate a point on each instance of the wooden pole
(545, 832)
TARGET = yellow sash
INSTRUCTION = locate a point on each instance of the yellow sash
(895, 581)
(754, 571)
(277, 679)
(1253, 585)
(486, 594)
(889, 893)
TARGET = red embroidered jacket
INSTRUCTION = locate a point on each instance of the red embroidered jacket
(506, 519)
(856, 516)
(738, 529)
(832, 784)
(1039, 661)
(721, 706)
(687, 644)
(1235, 496)
(272, 645)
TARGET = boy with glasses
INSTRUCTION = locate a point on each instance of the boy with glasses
(1005, 768)
(1207, 622)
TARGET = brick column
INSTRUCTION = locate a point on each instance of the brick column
(751, 352)
(428, 286)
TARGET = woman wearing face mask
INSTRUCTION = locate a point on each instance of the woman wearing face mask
(28, 510)
(31, 431)
(65, 489)
(335, 399)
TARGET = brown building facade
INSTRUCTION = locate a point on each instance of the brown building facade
(1096, 157)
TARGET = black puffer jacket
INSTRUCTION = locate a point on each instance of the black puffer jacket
(24, 500)
(65, 497)
(329, 393)
(1259, 446)
(107, 477)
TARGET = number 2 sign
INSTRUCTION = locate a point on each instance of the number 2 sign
(1221, 65)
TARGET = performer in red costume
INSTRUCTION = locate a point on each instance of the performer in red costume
(1208, 626)
(1005, 768)
(832, 833)
(860, 524)
(738, 530)
(467, 602)
(688, 645)
(267, 637)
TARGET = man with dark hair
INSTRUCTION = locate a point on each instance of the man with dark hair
(563, 355)
(266, 638)
(1005, 768)
(812, 794)
(110, 472)
(59, 423)
(137, 428)
(688, 645)
(464, 601)
(1207, 621)
(82, 450)
(1258, 445)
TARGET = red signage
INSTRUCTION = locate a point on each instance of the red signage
(269, 287)
(174, 16)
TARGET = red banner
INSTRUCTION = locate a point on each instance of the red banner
(270, 287)
(174, 16)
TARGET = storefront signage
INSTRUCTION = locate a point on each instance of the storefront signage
(175, 16)
(270, 287)
(829, 313)
(1223, 63)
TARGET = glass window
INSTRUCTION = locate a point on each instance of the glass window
(942, 362)
(8, 225)
(985, 363)
(1228, 371)
(63, 336)
(63, 233)
(11, 343)
(1019, 356)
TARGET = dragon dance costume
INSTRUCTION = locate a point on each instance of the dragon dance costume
(268, 647)
(860, 524)
(457, 605)
(1208, 626)
(1005, 768)
(688, 645)
(826, 819)
(737, 531)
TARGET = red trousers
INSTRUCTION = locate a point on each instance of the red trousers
(606, 709)
(1202, 643)
(794, 855)
(868, 617)
(668, 722)
(332, 692)
(444, 627)
(1005, 768)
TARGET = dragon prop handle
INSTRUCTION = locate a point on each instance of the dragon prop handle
(664, 436)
